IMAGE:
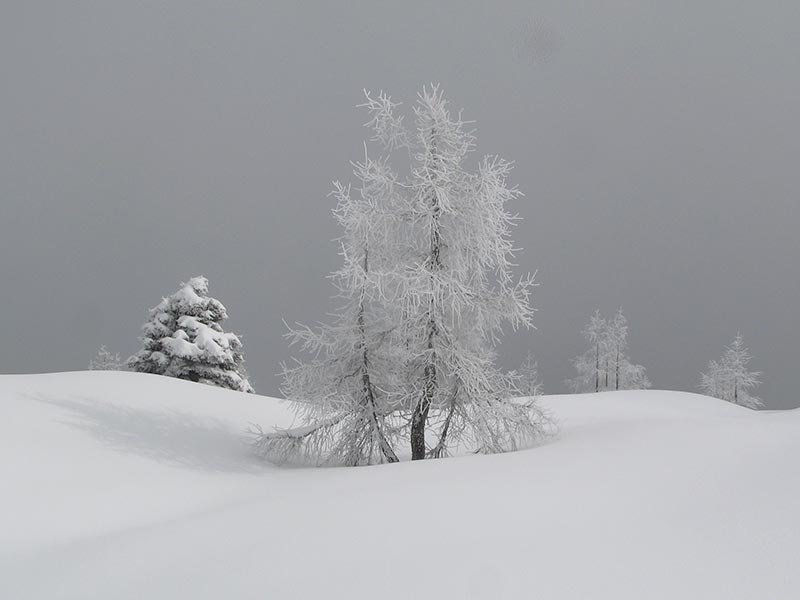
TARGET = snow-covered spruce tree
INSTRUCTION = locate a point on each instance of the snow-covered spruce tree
(344, 394)
(528, 373)
(729, 378)
(161, 324)
(105, 361)
(184, 338)
(606, 365)
(456, 289)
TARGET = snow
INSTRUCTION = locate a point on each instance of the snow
(191, 293)
(126, 485)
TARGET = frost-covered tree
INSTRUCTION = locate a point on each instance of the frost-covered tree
(620, 371)
(428, 284)
(632, 376)
(106, 361)
(617, 342)
(529, 382)
(344, 393)
(589, 364)
(184, 338)
(457, 287)
(729, 378)
(606, 364)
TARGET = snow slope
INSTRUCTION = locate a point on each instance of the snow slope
(121, 485)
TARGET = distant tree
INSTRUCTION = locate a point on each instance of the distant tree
(590, 364)
(620, 371)
(105, 361)
(184, 338)
(632, 377)
(606, 364)
(529, 383)
(729, 378)
(617, 342)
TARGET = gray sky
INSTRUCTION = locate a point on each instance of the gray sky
(657, 143)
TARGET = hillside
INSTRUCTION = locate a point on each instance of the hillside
(122, 485)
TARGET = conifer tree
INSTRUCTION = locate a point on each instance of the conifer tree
(183, 338)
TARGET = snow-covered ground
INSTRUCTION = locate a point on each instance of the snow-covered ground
(121, 485)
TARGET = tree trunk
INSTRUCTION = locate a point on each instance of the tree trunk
(616, 376)
(386, 448)
(597, 367)
(419, 418)
(441, 447)
(367, 390)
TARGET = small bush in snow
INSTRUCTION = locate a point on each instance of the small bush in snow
(105, 361)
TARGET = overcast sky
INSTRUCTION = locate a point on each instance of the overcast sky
(657, 144)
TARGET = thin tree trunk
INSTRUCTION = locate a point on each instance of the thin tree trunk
(616, 376)
(419, 418)
(367, 390)
(440, 448)
(383, 443)
(597, 367)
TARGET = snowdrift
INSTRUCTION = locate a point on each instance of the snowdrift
(121, 485)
